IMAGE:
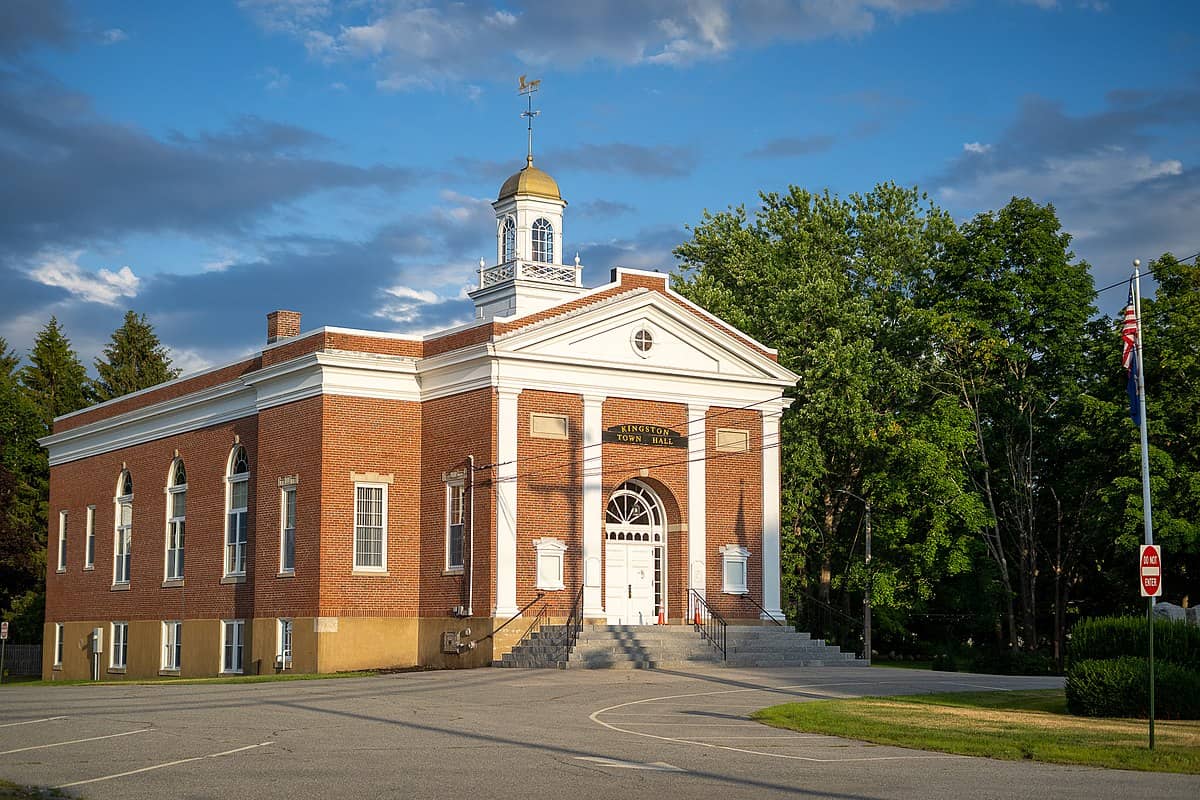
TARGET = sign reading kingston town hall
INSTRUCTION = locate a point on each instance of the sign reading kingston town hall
(653, 435)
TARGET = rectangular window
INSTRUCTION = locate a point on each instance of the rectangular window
(58, 644)
(172, 637)
(370, 526)
(733, 569)
(62, 541)
(235, 530)
(232, 641)
(123, 545)
(177, 508)
(454, 525)
(283, 643)
(119, 645)
(287, 535)
(90, 554)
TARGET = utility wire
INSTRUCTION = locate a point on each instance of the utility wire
(1148, 273)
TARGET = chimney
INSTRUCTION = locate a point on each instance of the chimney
(282, 325)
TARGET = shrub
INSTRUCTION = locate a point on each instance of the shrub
(1175, 642)
(1120, 687)
(1008, 661)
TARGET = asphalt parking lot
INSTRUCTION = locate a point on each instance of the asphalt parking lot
(507, 734)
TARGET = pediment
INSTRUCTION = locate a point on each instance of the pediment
(644, 331)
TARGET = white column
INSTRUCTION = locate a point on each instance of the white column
(697, 494)
(593, 505)
(506, 502)
(770, 504)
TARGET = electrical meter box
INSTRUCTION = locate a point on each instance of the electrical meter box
(97, 640)
(450, 642)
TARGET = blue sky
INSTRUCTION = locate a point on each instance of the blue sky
(208, 162)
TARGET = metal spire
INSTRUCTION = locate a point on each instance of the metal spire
(527, 89)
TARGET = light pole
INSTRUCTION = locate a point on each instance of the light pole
(867, 594)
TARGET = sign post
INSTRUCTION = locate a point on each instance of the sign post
(3, 642)
(1150, 580)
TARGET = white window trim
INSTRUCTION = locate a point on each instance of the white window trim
(119, 539)
(283, 657)
(283, 509)
(112, 647)
(382, 568)
(59, 635)
(62, 541)
(89, 545)
(172, 641)
(239, 626)
(650, 341)
(451, 485)
(170, 491)
(549, 549)
(229, 550)
(735, 554)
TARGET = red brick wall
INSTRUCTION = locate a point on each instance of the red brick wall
(734, 507)
(83, 595)
(454, 428)
(289, 445)
(549, 495)
(370, 435)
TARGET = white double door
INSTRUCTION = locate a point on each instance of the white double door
(629, 588)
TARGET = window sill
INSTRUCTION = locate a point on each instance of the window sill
(453, 571)
(172, 583)
(56, 668)
(377, 573)
(119, 587)
(231, 579)
(116, 670)
(291, 573)
(231, 672)
(169, 673)
(735, 591)
(89, 568)
(61, 569)
(550, 588)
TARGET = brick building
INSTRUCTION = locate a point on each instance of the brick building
(344, 498)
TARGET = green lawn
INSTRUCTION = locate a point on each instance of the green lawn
(11, 791)
(1008, 725)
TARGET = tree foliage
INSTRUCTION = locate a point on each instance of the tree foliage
(134, 359)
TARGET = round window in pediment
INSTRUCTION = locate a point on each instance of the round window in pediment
(643, 341)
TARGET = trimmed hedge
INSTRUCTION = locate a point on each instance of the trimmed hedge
(1120, 687)
(1175, 642)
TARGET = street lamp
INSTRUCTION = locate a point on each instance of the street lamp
(867, 594)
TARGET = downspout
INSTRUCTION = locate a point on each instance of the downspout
(471, 540)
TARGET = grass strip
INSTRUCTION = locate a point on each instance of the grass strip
(1016, 725)
(11, 791)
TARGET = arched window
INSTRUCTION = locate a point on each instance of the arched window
(237, 494)
(123, 534)
(543, 241)
(176, 516)
(508, 238)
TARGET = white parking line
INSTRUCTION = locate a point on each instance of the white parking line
(31, 721)
(161, 766)
(74, 741)
(595, 717)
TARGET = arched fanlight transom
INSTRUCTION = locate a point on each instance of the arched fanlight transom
(634, 505)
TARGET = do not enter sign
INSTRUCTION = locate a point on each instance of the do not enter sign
(1150, 570)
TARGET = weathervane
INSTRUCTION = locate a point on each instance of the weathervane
(527, 89)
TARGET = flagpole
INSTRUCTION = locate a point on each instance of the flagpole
(1149, 527)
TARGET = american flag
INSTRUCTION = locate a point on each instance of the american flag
(1129, 332)
(1129, 360)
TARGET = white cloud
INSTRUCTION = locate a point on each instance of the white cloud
(427, 46)
(404, 304)
(976, 147)
(274, 79)
(113, 36)
(103, 286)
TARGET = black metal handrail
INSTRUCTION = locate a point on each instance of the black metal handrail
(711, 625)
(515, 616)
(765, 614)
(538, 621)
(855, 625)
(574, 626)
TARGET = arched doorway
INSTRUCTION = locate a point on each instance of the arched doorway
(635, 555)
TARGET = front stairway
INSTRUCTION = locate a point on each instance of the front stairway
(672, 647)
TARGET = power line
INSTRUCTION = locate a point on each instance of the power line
(1146, 274)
